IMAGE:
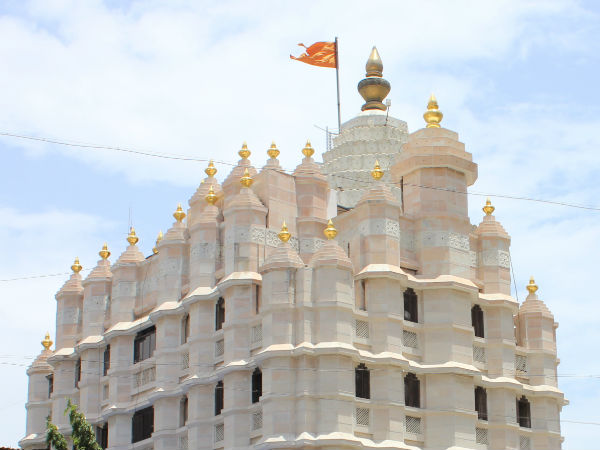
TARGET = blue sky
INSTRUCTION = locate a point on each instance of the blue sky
(516, 79)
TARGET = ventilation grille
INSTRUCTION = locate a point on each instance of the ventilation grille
(362, 416)
(524, 443)
(145, 376)
(409, 339)
(185, 360)
(256, 334)
(219, 432)
(219, 348)
(481, 435)
(520, 364)
(257, 420)
(478, 353)
(413, 425)
(183, 442)
(362, 329)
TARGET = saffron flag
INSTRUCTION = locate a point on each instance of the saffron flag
(320, 54)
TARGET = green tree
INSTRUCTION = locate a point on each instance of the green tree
(83, 435)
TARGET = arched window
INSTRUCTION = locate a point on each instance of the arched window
(219, 398)
(256, 385)
(185, 329)
(524, 412)
(412, 391)
(477, 320)
(410, 306)
(363, 381)
(481, 403)
(219, 313)
(183, 411)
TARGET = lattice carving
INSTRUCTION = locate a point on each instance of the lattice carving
(183, 442)
(257, 420)
(410, 339)
(481, 436)
(413, 425)
(219, 432)
(185, 360)
(256, 334)
(219, 347)
(524, 443)
(479, 353)
(520, 364)
(362, 329)
(362, 416)
(145, 376)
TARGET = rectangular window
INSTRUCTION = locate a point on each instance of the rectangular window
(77, 372)
(102, 435)
(477, 321)
(412, 391)
(142, 424)
(362, 381)
(256, 385)
(183, 413)
(50, 379)
(144, 344)
(411, 306)
(481, 403)
(106, 360)
(219, 313)
(219, 398)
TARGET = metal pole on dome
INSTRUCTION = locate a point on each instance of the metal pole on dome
(337, 79)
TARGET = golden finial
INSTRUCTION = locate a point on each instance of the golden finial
(433, 116)
(211, 170)
(76, 267)
(273, 151)
(377, 173)
(330, 232)
(374, 88)
(284, 234)
(488, 209)
(179, 214)
(308, 151)
(104, 253)
(211, 198)
(532, 287)
(131, 237)
(47, 343)
(374, 64)
(246, 180)
(244, 152)
(158, 239)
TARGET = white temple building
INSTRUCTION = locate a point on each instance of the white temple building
(258, 323)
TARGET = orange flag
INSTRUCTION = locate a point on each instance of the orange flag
(320, 54)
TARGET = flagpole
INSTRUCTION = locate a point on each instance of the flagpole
(337, 80)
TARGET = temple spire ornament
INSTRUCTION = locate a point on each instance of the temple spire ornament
(211, 197)
(433, 116)
(532, 287)
(284, 234)
(179, 214)
(131, 237)
(374, 88)
(377, 173)
(246, 179)
(273, 151)
(244, 152)
(158, 239)
(488, 209)
(47, 342)
(76, 267)
(308, 151)
(104, 253)
(330, 232)
(211, 170)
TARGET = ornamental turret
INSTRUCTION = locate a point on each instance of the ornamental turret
(97, 289)
(69, 304)
(198, 201)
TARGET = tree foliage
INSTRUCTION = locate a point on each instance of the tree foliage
(83, 435)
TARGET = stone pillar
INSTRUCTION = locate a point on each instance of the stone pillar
(120, 390)
(69, 303)
(97, 289)
(89, 385)
(173, 261)
(201, 413)
(205, 245)
(125, 278)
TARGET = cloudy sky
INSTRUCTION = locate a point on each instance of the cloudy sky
(517, 80)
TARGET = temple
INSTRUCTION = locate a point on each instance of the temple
(261, 322)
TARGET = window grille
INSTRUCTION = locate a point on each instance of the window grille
(524, 443)
(257, 420)
(183, 442)
(409, 339)
(185, 360)
(413, 425)
(144, 344)
(362, 416)
(219, 347)
(481, 436)
(145, 376)
(219, 432)
(479, 353)
(520, 364)
(362, 329)
(256, 334)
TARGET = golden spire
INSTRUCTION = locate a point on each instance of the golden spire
(246, 180)
(131, 237)
(47, 343)
(433, 116)
(374, 88)
(273, 151)
(284, 234)
(211, 170)
(76, 267)
(104, 253)
(330, 232)
(488, 209)
(377, 173)
(308, 151)
(179, 214)
(244, 152)
(158, 239)
(532, 287)
(211, 198)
